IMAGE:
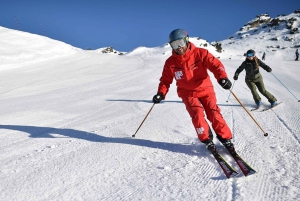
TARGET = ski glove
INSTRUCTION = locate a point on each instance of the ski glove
(269, 70)
(157, 98)
(225, 83)
(236, 76)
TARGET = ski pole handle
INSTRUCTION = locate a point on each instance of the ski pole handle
(231, 89)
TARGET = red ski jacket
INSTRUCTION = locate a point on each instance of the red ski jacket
(190, 72)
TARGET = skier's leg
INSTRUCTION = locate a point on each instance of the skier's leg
(196, 112)
(252, 88)
(261, 87)
(214, 115)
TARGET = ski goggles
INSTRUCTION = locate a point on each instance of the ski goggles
(250, 55)
(178, 43)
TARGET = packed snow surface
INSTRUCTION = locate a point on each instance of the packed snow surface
(67, 117)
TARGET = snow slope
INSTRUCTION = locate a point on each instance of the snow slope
(67, 121)
(19, 48)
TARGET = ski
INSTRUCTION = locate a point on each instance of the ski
(228, 170)
(253, 109)
(245, 168)
(271, 107)
(257, 107)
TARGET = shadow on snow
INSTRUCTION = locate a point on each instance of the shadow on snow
(47, 132)
(169, 101)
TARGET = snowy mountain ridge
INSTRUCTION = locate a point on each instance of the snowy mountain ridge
(18, 47)
(278, 37)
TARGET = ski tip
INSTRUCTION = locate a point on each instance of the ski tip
(256, 108)
(234, 174)
(250, 173)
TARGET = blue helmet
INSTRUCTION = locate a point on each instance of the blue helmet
(179, 34)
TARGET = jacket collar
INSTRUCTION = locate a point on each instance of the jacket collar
(190, 49)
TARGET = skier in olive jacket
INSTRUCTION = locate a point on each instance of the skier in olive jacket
(189, 66)
(253, 77)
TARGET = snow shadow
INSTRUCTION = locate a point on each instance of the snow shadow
(172, 101)
(145, 101)
(231, 105)
(49, 132)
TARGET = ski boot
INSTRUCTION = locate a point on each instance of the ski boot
(273, 104)
(258, 104)
(211, 147)
(227, 144)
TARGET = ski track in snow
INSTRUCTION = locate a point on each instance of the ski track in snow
(294, 124)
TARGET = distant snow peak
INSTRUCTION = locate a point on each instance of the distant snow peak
(278, 37)
(109, 50)
(264, 21)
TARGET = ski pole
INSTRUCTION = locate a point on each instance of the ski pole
(143, 120)
(231, 89)
(265, 134)
(285, 86)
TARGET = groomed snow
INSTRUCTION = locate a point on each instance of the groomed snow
(67, 117)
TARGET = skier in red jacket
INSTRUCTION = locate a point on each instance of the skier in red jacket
(188, 65)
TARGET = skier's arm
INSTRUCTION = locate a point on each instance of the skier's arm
(264, 66)
(214, 65)
(238, 71)
(165, 81)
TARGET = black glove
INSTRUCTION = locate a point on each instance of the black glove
(157, 98)
(225, 83)
(236, 76)
(269, 70)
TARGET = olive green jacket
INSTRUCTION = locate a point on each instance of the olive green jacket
(252, 72)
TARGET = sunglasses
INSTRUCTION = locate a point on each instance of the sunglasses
(250, 55)
(178, 43)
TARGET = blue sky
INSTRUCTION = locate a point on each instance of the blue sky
(126, 25)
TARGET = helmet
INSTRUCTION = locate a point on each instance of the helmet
(250, 51)
(178, 34)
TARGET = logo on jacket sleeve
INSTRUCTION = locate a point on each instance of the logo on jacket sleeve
(178, 75)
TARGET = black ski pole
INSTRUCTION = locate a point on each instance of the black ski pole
(143, 120)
